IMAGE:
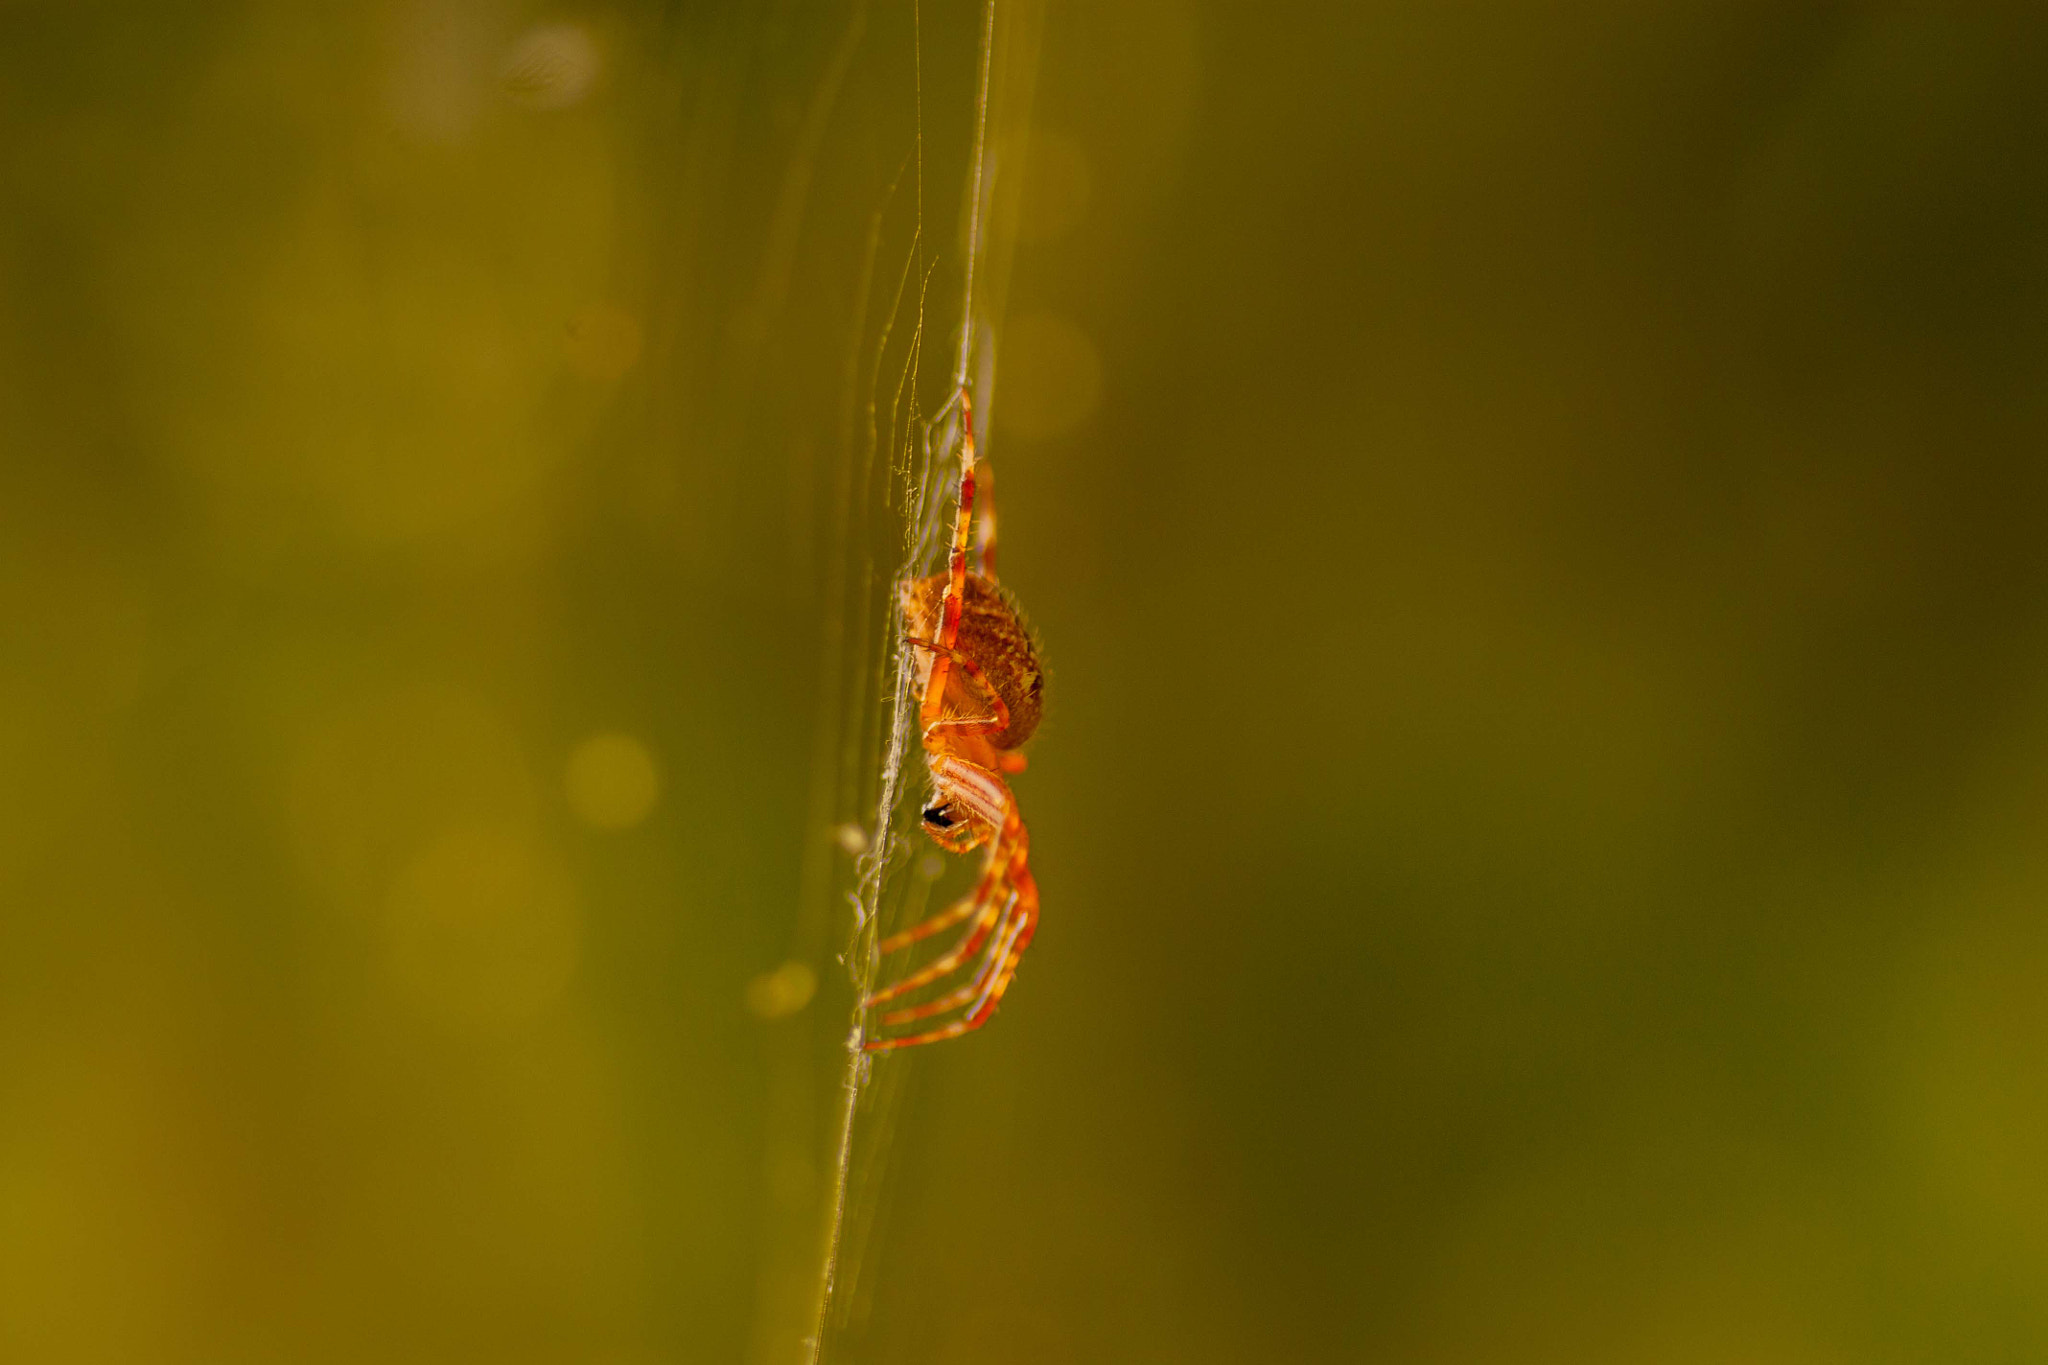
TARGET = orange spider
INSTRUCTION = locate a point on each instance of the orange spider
(982, 694)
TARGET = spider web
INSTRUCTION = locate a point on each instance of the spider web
(890, 517)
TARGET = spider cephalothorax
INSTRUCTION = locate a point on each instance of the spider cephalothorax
(982, 693)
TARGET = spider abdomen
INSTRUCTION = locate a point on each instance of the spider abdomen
(994, 635)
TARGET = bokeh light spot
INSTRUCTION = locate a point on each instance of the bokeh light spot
(782, 992)
(612, 781)
(553, 66)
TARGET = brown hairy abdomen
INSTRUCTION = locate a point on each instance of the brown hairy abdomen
(993, 634)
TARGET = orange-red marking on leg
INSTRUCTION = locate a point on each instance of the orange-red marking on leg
(1006, 880)
(1027, 925)
(997, 721)
(1008, 865)
(945, 919)
(977, 984)
(956, 570)
(944, 964)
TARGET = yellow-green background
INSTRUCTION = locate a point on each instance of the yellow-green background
(1536, 516)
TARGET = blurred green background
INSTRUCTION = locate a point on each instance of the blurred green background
(1536, 516)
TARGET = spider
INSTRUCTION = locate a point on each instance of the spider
(981, 695)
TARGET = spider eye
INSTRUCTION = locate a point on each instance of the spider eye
(936, 817)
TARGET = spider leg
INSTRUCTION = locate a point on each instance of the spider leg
(982, 791)
(956, 572)
(976, 902)
(998, 948)
(945, 963)
(985, 992)
(984, 1008)
(955, 780)
(994, 723)
(923, 929)
(985, 533)
(977, 979)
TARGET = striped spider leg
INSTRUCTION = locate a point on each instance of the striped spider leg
(981, 694)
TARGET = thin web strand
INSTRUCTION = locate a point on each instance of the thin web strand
(920, 536)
